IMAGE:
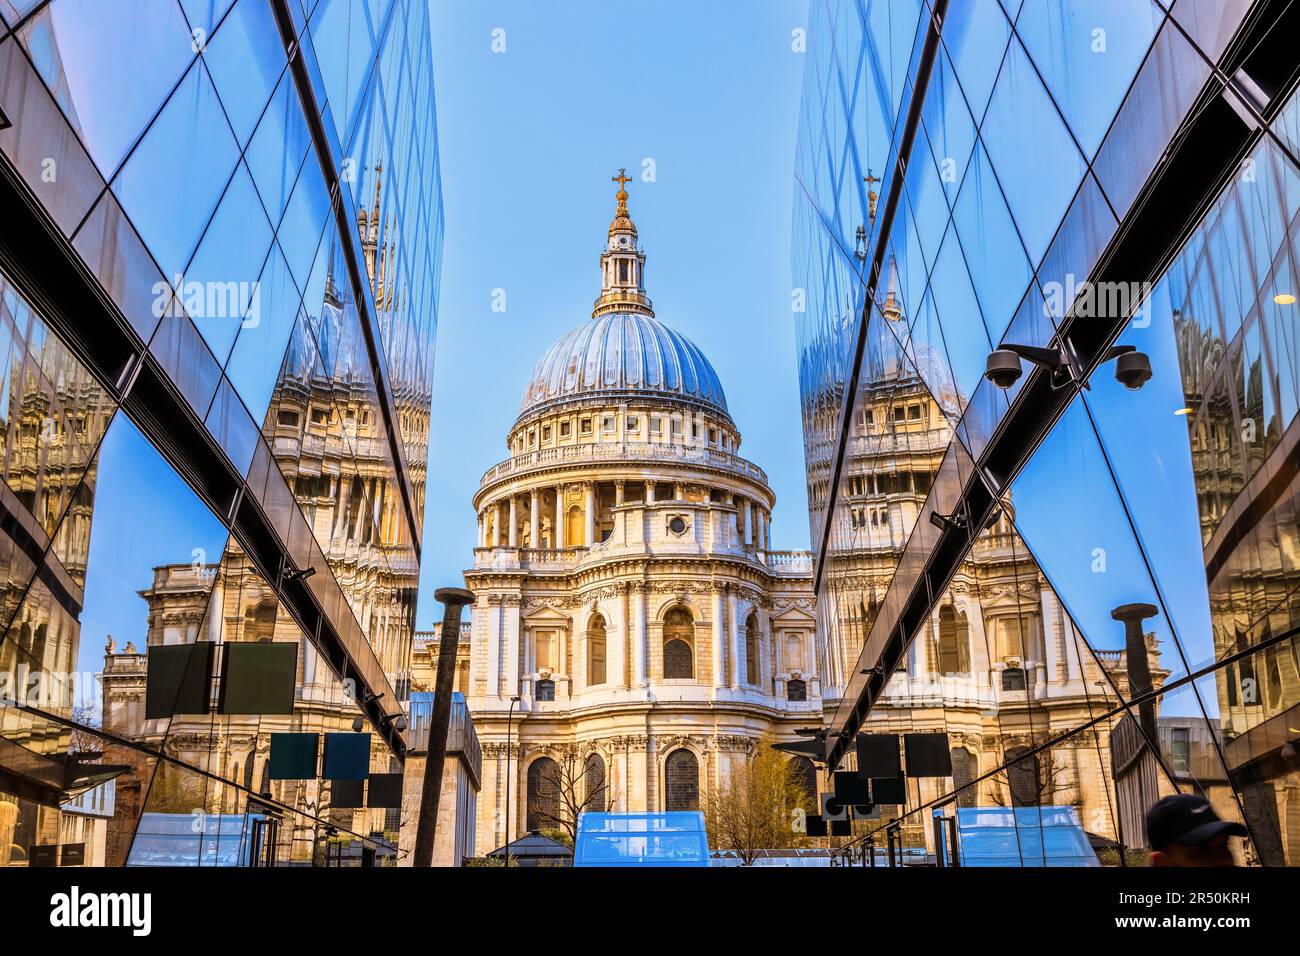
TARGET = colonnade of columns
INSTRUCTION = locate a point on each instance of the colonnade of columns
(510, 654)
(750, 522)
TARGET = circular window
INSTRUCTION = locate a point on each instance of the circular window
(677, 525)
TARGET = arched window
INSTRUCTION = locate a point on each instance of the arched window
(596, 650)
(545, 690)
(954, 641)
(805, 774)
(963, 772)
(796, 690)
(751, 648)
(543, 794)
(681, 781)
(1024, 778)
(593, 773)
(679, 639)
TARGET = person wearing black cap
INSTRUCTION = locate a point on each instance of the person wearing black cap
(1184, 830)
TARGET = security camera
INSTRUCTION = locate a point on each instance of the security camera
(357, 724)
(1133, 370)
(1003, 368)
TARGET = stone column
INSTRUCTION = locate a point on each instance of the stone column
(589, 506)
(493, 616)
(511, 614)
(749, 523)
(534, 520)
(650, 492)
(639, 635)
(562, 665)
(679, 492)
(618, 491)
(514, 522)
(719, 676)
(560, 530)
(578, 680)
(496, 524)
(615, 642)
(733, 635)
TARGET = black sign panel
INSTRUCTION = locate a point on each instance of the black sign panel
(179, 680)
(72, 854)
(293, 756)
(258, 678)
(878, 755)
(928, 755)
(346, 794)
(851, 789)
(47, 854)
(385, 790)
(347, 757)
(889, 790)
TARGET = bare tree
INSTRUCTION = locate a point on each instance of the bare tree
(1029, 782)
(568, 788)
(750, 810)
(86, 715)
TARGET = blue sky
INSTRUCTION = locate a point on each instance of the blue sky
(530, 138)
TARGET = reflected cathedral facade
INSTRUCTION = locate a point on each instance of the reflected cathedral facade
(1081, 580)
(215, 426)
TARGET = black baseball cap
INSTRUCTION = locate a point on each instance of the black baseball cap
(1188, 820)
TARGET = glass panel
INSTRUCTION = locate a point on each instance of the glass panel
(259, 351)
(1091, 554)
(221, 292)
(991, 246)
(975, 35)
(87, 53)
(1088, 55)
(245, 58)
(1032, 153)
(171, 183)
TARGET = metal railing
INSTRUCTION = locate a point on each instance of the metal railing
(623, 451)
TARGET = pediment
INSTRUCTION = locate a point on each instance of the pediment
(545, 615)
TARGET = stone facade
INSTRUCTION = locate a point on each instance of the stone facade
(627, 593)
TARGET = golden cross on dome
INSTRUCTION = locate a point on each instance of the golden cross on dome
(872, 196)
(622, 179)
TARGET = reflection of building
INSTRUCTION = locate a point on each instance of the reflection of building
(999, 666)
(626, 588)
(929, 484)
(241, 397)
(230, 602)
(52, 416)
(1239, 382)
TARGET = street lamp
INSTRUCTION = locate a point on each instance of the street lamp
(510, 716)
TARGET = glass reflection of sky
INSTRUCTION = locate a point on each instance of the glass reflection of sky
(144, 516)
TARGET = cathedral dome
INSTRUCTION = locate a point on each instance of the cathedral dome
(628, 354)
(624, 352)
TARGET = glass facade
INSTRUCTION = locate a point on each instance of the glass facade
(1085, 586)
(219, 274)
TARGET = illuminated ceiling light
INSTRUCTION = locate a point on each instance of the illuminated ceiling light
(1184, 411)
(1284, 298)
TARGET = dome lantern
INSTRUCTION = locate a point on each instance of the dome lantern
(622, 264)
